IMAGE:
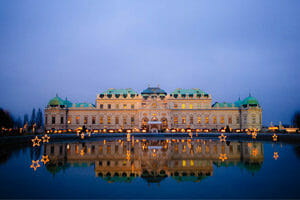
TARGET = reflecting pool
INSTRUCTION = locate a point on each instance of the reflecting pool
(150, 168)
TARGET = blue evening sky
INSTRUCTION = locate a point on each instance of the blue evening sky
(80, 48)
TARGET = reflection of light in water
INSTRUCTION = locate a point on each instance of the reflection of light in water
(35, 164)
(275, 156)
(274, 137)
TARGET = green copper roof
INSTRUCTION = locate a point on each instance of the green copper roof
(153, 90)
(68, 103)
(83, 105)
(250, 101)
(188, 91)
(223, 105)
(238, 103)
(56, 101)
(119, 91)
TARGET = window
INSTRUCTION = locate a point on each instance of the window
(108, 106)
(183, 106)
(191, 120)
(253, 119)
(183, 163)
(191, 106)
(108, 120)
(69, 119)
(85, 120)
(175, 120)
(125, 106)
(46, 119)
(183, 119)
(175, 106)
(61, 120)
(100, 148)
(117, 106)
(101, 120)
(132, 120)
(93, 120)
(77, 120)
(198, 120)
(124, 120)
(237, 119)
(222, 120)
(53, 119)
(108, 150)
(132, 106)
(229, 120)
(101, 106)
(214, 120)
(117, 120)
(206, 120)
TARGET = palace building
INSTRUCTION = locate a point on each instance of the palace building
(153, 110)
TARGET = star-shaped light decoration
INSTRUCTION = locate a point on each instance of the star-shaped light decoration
(46, 138)
(222, 138)
(45, 159)
(254, 152)
(223, 157)
(275, 156)
(254, 134)
(82, 135)
(275, 137)
(82, 152)
(35, 164)
(36, 141)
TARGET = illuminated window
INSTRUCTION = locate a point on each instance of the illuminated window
(192, 163)
(108, 120)
(53, 119)
(176, 148)
(175, 106)
(183, 163)
(191, 106)
(229, 120)
(199, 120)
(207, 149)
(108, 106)
(183, 119)
(125, 106)
(206, 120)
(175, 120)
(215, 149)
(93, 120)
(223, 148)
(101, 120)
(222, 120)
(108, 149)
(183, 106)
(184, 149)
(132, 120)
(191, 120)
(77, 120)
(214, 120)
(69, 119)
(117, 120)
(85, 120)
(124, 120)
(132, 106)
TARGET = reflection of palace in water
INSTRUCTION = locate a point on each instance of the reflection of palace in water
(154, 160)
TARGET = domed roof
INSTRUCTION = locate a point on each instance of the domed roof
(153, 90)
(238, 103)
(68, 103)
(250, 101)
(56, 101)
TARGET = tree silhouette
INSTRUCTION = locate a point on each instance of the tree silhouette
(39, 118)
(6, 120)
(296, 119)
(33, 118)
(25, 119)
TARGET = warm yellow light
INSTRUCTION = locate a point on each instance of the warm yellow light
(35, 164)
(36, 141)
(45, 159)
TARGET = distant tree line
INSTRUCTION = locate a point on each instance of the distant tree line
(296, 119)
(36, 120)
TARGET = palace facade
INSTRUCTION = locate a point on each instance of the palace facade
(153, 110)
